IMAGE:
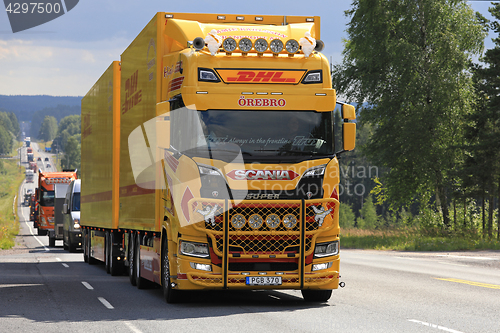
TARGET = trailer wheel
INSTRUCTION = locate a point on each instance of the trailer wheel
(131, 259)
(316, 295)
(141, 282)
(92, 260)
(170, 295)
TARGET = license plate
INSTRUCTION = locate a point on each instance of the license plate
(263, 280)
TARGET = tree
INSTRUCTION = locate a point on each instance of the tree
(482, 170)
(68, 126)
(408, 59)
(71, 159)
(48, 129)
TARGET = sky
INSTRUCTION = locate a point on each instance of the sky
(66, 56)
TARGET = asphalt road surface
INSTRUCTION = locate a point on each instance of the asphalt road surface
(46, 289)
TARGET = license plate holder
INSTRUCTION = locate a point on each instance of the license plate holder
(263, 280)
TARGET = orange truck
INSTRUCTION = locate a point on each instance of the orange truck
(49, 185)
(208, 157)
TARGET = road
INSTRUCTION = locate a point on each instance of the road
(46, 289)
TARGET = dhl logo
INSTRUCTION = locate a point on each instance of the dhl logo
(260, 76)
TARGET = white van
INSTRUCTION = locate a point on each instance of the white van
(72, 235)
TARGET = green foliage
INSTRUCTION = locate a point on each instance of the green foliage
(58, 112)
(72, 157)
(346, 216)
(48, 129)
(68, 126)
(10, 179)
(9, 129)
(368, 218)
(408, 59)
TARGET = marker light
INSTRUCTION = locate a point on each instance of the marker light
(272, 221)
(260, 45)
(229, 44)
(245, 45)
(201, 267)
(292, 46)
(255, 221)
(238, 221)
(318, 267)
(276, 46)
(290, 221)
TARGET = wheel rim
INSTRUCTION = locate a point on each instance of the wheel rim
(131, 255)
(166, 271)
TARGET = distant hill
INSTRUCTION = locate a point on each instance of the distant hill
(24, 106)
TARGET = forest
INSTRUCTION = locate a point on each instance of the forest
(428, 142)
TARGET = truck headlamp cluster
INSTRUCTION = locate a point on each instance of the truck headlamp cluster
(193, 249)
(326, 249)
(261, 45)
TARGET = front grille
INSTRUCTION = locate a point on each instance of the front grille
(263, 266)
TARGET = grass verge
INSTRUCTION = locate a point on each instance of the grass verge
(412, 240)
(11, 177)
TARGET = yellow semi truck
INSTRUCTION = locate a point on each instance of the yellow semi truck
(208, 157)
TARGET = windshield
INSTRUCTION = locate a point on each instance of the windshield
(76, 202)
(281, 136)
(47, 198)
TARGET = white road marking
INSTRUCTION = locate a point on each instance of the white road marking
(132, 327)
(65, 265)
(31, 231)
(58, 259)
(87, 285)
(106, 303)
(465, 257)
(434, 326)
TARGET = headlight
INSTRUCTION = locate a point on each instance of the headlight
(245, 45)
(193, 249)
(276, 46)
(238, 221)
(316, 171)
(326, 249)
(76, 224)
(206, 170)
(229, 44)
(260, 45)
(290, 221)
(273, 221)
(292, 46)
(255, 221)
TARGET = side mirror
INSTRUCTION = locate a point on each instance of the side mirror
(349, 136)
(348, 112)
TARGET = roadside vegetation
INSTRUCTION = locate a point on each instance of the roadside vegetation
(11, 177)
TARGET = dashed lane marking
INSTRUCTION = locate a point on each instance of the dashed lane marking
(442, 328)
(105, 303)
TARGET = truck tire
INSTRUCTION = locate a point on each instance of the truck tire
(141, 282)
(170, 295)
(42, 232)
(316, 295)
(52, 241)
(71, 247)
(131, 259)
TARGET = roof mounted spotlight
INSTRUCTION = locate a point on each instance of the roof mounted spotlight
(319, 45)
(221, 17)
(292, 46)
(240, 18)
(276, 46)
(260, 45)
(245, 45)
(229, 45)
(198, 43)
(259, 18)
